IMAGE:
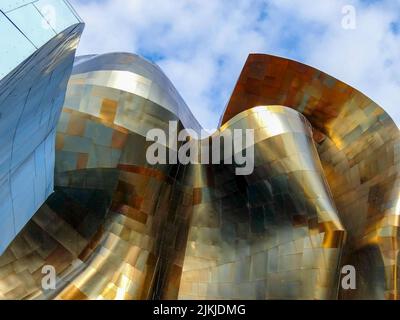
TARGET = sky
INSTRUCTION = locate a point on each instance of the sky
(202, 45)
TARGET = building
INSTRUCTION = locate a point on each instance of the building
(323, 193)
(79, 195)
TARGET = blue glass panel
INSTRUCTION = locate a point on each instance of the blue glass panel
(7, 5)
(32, 24)
(14, 47)
(57, 13)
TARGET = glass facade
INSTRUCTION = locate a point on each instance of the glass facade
(27, 25)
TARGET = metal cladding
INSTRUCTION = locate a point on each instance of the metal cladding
(358, 145)
(114, 224)
(36, 59)
(323, 193)
(274, 234)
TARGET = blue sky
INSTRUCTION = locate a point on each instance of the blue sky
(202, 44)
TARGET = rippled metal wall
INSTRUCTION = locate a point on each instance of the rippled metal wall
(358, 145)
(115, 227)
(323, 193)
(103, 126)
(274, 234)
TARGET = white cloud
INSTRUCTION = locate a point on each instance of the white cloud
(202, 45)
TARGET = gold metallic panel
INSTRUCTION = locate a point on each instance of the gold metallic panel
(358, 145)
(274, 234)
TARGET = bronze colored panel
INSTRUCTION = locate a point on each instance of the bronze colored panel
(108, 110)
(118, 139)
(82, 161)
(76, 126)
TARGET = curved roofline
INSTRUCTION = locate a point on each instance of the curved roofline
(136, 64)
(300, 64)
(87, 57)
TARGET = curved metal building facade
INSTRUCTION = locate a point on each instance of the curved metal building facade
(358, 145)
(323, 193)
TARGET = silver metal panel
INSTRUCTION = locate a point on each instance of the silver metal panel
(31, 97)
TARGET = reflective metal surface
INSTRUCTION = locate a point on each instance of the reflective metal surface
(324, 193)
(358, 145)
(274, 234)
(31, 98)
(114, 226)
